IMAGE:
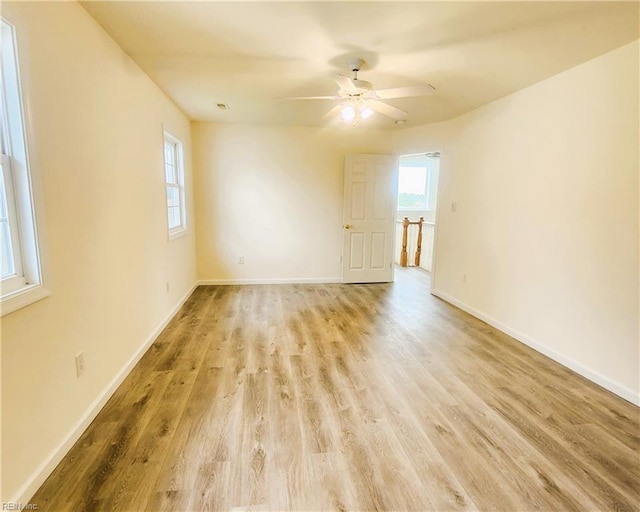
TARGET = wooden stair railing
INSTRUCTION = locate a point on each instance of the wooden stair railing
(403, 255)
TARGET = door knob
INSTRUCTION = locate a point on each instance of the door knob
(348, 226)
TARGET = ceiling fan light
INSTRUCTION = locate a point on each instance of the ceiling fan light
(366, 113)
(348, 113)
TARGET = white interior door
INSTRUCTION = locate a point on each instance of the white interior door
(369, 218)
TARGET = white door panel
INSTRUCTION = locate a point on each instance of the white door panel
(369, 218)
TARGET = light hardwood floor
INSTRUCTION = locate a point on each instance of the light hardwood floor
(348, 397)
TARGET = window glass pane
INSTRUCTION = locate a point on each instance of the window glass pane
(173, 206)
(170, 173)
(412, 183)
(169, 162)
(7, 266)
(173, 196)
(174, 217)
(169, 149)
(7, 255)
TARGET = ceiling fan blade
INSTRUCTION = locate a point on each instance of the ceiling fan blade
(387, 110)
(405, 92)
(311, 98)
(345, 83)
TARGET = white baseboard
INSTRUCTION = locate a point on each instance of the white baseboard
(42, 472)
(275, 280)
(564, 360)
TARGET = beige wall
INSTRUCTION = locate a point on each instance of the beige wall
(546, 228)
(274, 196)
(97, 149)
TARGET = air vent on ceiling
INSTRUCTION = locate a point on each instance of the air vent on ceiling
(223, 106)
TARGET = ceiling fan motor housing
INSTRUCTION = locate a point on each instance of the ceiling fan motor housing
(355, 64)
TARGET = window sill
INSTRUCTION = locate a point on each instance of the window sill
(177, 234)
(22, 298)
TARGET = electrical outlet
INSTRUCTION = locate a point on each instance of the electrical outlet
(241, 260)
(80, 364)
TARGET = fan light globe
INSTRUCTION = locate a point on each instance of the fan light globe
(348, 113)
(366, 113)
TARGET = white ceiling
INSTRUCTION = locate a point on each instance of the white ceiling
(247, 54)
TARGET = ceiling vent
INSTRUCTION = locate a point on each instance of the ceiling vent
(223, 106)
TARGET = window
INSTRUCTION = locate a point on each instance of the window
(417, 182)
(174, 177)
(412, 188)
(20, 278)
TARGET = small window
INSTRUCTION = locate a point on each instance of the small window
(20, 274)
(418, 182)
(174, 178)
(412, 188)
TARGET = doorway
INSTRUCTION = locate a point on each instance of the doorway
(418, 176)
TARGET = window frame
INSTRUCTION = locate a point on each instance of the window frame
(178, 164)
(26, 285)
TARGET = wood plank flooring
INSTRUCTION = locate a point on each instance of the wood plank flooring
(348, 397)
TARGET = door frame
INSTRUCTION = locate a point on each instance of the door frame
(438, 210)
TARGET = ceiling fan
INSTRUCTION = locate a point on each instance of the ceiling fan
(360, 100)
